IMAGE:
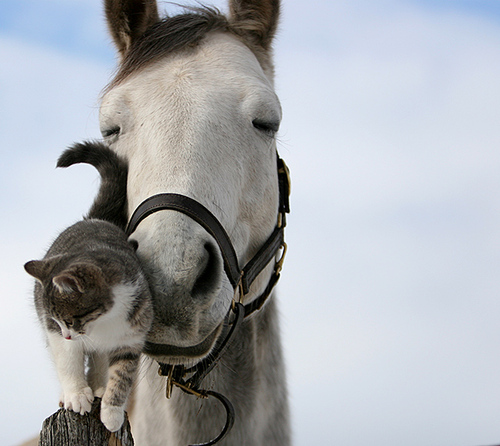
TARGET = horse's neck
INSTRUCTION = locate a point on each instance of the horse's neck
(251, 375)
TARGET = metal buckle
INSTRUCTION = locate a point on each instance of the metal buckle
(279, 264)
(286, 171)
(199, 394)
(238, 291)
(281, 217)
(170, 382)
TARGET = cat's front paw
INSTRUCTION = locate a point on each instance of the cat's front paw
(79, 400)
(112, 417)
(98, 393)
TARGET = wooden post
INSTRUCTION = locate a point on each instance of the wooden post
(68, 428)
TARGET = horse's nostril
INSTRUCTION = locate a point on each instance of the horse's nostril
(208, 280)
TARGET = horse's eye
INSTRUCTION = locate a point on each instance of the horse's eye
(268, 127)
(110, 132)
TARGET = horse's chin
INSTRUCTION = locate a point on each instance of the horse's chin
(174, 354)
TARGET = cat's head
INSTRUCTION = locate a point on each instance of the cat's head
(74, 296)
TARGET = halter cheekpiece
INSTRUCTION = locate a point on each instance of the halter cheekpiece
(190, 379)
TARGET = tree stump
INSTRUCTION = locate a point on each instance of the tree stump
(68, 428)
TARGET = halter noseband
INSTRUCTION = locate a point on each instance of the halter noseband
(241, 279)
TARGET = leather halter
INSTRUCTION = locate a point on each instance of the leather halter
(241, 279)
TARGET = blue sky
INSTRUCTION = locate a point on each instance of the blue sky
(484, 8)
(389, 295)
(54, 22)
(68, 27)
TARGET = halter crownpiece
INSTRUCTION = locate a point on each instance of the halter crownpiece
(241, 279)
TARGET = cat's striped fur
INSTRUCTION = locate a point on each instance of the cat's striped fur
(92, 297)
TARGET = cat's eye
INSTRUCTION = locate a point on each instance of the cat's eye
(90, 315)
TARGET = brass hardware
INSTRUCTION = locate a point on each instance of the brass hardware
(238, 290)
(170, 383)
(279, 264)
(283, 169)
(286, 171)
(188, 389)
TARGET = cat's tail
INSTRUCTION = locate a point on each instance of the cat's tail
(111, 201)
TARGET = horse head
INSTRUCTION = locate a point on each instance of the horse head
(193, 111)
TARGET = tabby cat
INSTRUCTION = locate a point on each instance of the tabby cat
(92, 296)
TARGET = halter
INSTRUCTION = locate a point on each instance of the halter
(241, 279)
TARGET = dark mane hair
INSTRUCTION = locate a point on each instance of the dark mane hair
(169, 35)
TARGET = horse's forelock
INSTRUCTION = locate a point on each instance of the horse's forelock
(181, 32)
(167, 36)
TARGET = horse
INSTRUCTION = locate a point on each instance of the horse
(193, 111)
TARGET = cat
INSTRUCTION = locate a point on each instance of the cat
(92, 297)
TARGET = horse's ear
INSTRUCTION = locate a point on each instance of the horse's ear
(129, 19)
(257, 20)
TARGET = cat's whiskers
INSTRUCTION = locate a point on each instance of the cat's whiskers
(87, 342)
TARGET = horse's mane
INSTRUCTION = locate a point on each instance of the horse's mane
(169, 35)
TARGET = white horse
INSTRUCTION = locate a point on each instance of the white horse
(193, 111)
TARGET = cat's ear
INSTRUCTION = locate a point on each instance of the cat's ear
(38, 269)
(79, 278)
(67, 283)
